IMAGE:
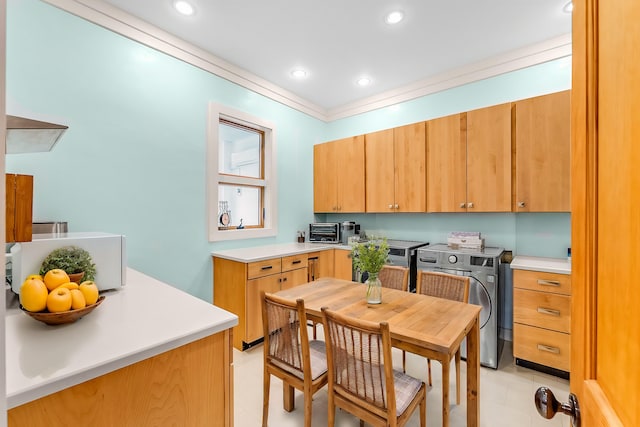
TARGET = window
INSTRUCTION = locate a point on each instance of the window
(241, 174)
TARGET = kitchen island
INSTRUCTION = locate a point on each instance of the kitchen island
(149, 355)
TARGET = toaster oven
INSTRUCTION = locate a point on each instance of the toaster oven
(324, 232)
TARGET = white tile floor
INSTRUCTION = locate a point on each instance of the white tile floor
(506, 395)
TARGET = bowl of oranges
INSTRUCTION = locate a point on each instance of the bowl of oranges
(54, 299)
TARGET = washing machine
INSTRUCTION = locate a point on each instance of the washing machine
(483, 268)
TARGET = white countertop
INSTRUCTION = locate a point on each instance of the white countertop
(549, 265)
(141, 320)
(259, 253)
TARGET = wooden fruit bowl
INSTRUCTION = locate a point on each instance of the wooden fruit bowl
(64, 316)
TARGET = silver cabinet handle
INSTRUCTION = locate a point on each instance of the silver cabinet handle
(549, 311)
(390, 206)
(548, 282)
(463, 205)
(470, 205)
(521, 204)
(396, 206)
(548, 348)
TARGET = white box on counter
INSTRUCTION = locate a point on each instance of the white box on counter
(108, 252)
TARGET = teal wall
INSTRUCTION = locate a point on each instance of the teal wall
(133, 159)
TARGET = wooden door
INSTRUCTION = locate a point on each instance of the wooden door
(542, 129)
(324, 178)
(349, 172)
(447, 164)
(489, 159)
(605, 201)
(410, 158)
(379, 171)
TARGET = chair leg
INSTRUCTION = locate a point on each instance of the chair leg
(404, 361)
(331, 407)
(429, 371)
(458, 377)
(361, 423)
(315, 330)
(265, 397)
(308, 402)
(423, 412)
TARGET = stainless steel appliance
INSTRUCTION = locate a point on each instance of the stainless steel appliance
(324, 232)
(108, 252)
(348, 229)
(402, 253)
(50, 227)
(484, 270)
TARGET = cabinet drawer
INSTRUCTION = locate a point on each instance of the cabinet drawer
(263, 268)
(542, 346)
(542, 309)
(294, 261)
(542, 281)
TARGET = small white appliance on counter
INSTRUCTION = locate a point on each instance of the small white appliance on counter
(108, 252)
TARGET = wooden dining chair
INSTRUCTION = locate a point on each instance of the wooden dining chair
(362, 380)
(448, 286)
(289, 355)
(394, 277)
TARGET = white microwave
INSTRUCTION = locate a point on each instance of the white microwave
(108, 252)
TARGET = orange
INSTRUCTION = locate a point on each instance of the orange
(54, 278)
(33, 295)
(35, 276)
(77, 299)
(90, 291)
(59, 300)
(69, 285)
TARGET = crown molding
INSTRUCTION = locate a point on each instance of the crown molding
(120, 22)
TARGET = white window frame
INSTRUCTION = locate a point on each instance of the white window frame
(215, 113)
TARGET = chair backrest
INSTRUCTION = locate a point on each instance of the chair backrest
(394, 276)
(286, 342)
(356, 355)
(443, 285)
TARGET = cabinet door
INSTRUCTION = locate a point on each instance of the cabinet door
(18, 208)
(349, 172)
(410, 162)
(447, 164)
(324, 178)
(293, 278)
(489, 159)
(542, 129)
(254, 305)
(320, 264)
(343, 265)
(379, 171)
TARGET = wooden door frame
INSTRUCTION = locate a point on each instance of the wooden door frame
(584, 213)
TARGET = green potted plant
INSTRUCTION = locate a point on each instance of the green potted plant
(370, 257)
(71, 259)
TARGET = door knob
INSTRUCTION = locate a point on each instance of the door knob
(521, 204)
(463, 205)
(470, 205)
(390, 206)
(547, 406)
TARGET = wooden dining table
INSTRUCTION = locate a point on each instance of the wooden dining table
(428, 326)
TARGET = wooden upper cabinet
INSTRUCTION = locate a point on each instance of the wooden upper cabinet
(489, 159)
(395, 169)
(447, 164)
(338, 175)
(18, 208)
(542, 141)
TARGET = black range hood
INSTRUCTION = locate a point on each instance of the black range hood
(31, 136)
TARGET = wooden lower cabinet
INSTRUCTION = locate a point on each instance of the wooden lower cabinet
(542, 318)
(237, 288)
(343, 265)
(189, 386)
(320, 264)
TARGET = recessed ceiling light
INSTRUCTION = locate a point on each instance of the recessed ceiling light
(394, 17)
(184, 7)
(364, 81)
(299, 73)
(568, 8)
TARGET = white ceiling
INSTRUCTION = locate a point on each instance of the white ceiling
(340, 40)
